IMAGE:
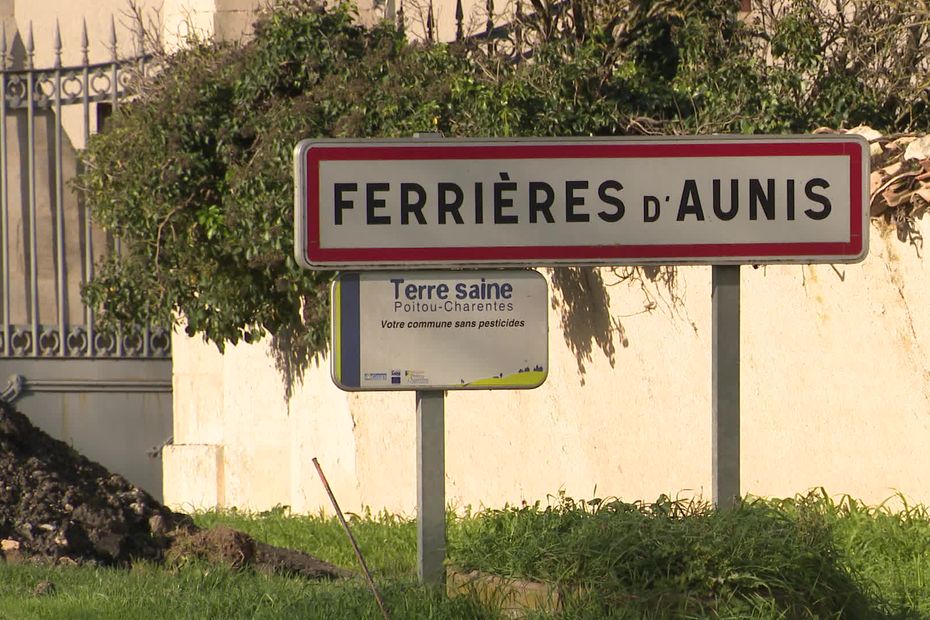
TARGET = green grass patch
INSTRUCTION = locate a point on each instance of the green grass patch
(805, 557)
(196, 591)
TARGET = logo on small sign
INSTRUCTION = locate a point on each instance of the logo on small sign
(415, 377)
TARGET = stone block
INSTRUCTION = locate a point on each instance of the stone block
(193, 477)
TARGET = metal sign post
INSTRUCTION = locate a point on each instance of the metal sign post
(431, 487)
(430, 331)
(431, 475)
(725, 441)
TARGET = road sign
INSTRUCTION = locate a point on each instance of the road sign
(440, 330)
(453, 203)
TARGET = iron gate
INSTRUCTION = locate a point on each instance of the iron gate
(107, 394)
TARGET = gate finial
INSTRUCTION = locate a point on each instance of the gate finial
(430, 23)
(4, 60)
(30, 47)
(140, 32)
(113, 36)
(56, 44)
(84, 44)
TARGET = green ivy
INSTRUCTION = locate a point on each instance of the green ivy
(195, 173)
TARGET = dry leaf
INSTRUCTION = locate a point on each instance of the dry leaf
(924, 192)
(897, 194)
(918, 149)
(866, 132)
(878, 206)
(892, 169)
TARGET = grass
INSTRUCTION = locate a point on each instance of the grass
(197, 591)
(806, 557)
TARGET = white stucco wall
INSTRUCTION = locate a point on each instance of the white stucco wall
(835, 382)
(834, 393)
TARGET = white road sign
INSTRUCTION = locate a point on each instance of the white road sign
(718, 199)
(440, 330)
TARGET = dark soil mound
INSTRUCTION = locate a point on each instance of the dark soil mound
(57, 505)
(222, 545)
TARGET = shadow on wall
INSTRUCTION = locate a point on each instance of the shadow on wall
(580, 294)
(292, 351)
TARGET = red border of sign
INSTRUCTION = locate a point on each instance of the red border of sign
(850, 146)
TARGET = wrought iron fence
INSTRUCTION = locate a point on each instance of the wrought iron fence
(515, 37)
(48, 244)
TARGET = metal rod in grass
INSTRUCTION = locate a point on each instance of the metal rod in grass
(358, 552)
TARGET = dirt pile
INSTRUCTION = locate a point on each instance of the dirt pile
(222, 545)
(57, 505)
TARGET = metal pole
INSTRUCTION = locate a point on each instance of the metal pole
(358, 551)
(61, 270)
(725, 479)
(431, 474)
(7, 348)
(114, 101)
(431, 487)
(33, 238)
(88, 228)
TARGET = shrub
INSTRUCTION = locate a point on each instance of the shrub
(194, 175)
